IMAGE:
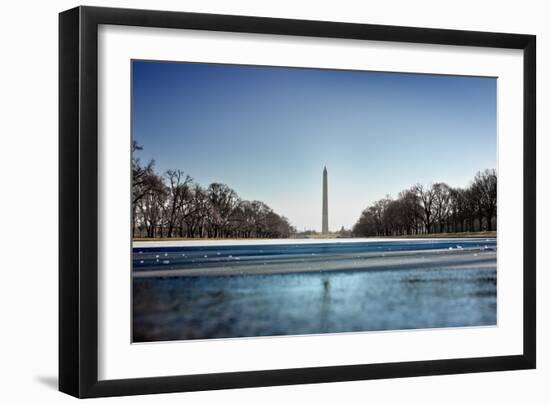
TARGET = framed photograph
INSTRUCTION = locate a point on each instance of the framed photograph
(250, 201)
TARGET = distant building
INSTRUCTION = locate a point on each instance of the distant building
(325, 202)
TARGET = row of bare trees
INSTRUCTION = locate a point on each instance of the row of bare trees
(437, 208)
(173, 205)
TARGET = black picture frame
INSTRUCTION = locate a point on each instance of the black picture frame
(78, 201)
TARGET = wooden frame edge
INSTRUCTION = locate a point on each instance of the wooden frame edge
(78, 362)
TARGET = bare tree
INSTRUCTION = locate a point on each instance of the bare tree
(458, 208)
(194, 212)
(142, 181)
(152, 206)
(178, 193)
(426, 198)
(485, 184)
(222, 202)
(173, 205)
(410, 210)
(436, 208)
(441, 204)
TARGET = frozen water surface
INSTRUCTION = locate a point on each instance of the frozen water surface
(226, 291)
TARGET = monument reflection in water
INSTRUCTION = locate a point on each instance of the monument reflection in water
(226, 291)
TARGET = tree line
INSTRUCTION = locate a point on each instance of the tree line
(437, 208)
(174, 205)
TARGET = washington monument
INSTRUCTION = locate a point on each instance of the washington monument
(325, 202)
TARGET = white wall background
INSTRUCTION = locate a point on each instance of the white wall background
(28, 199)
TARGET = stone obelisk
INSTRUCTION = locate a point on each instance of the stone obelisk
(325, 202)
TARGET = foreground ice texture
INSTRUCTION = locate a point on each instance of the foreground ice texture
(224, 291)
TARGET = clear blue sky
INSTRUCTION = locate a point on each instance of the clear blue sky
(267, 132)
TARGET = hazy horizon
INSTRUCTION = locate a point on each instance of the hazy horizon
(267, 132)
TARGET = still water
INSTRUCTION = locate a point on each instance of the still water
(412, 284)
